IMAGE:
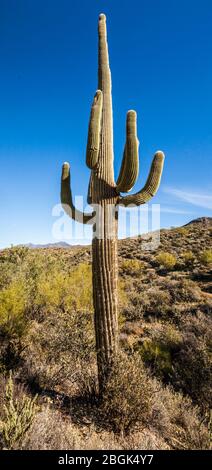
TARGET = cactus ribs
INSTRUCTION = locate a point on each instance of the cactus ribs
(104, 193)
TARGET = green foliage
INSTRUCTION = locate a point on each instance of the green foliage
(166, 260)
(188, 258)
(158, 351)
(6, 274)
(18, 416)
(16, 255)
(131, 266)
(182, 231)
(171, 337)
(156, 355)
(206, 257)
(65, 290)
(13, 300)
(12, 263)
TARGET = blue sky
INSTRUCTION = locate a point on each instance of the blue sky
(160, 57)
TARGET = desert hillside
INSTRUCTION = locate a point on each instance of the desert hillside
(159, 392)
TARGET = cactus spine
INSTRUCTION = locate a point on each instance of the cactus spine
(104, 197)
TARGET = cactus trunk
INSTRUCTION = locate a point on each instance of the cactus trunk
(104, 245)
(105, 304)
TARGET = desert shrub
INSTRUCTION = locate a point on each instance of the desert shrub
(13, 300)
(13, 324)
(81, 288)
(147, 302)
(166, 260)
(159, 302)
(171, 337)
(157, 356)
(135, 308)
(10, 354)
(52, 430)
(206, 257)
(63, 290)
(45, 320)
(173, 424)
(6, 274)
(59, 350)
(188, 258)
(158, 351)
(182, 231)
(16, 255)
(131, 266)
(176, 420)
(127, 396)
(183, 290)
(18, 415)
(192, 370)
(12, 265)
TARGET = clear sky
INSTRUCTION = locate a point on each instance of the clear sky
(160, 57)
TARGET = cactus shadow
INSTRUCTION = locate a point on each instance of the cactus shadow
(83, 410)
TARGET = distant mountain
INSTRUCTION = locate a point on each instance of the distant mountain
(49, 245)
(200, 220)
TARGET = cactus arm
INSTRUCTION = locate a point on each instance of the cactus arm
(94, 131)
(66, 198)
(151, 186)
(130, 163)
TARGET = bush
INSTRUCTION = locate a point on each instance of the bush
(159, 302)
(52, 431)
(151, 302)
(158, 351)
(188, 258)
(127, 396)
(206, 257)
(166, 260)
(182, 231)
(64, 290)
(6, 274)
(13, 301)
(158, 356)
(192, 371)
(132, 266)
(183, 290)
(18, 416)
(177, 420)
(59, 350)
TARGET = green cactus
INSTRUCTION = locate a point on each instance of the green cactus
(105, 198)
(19, 414)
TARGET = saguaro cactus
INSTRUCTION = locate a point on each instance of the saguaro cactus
(105, 198)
